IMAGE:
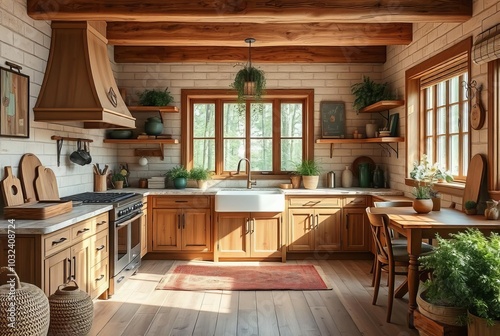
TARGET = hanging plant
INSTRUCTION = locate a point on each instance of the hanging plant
(249, 81)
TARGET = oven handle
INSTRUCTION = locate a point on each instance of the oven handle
(128, 221)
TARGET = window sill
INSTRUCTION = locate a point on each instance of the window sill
(449, 188)
(254, 177)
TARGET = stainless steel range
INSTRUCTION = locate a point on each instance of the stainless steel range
(124, 234)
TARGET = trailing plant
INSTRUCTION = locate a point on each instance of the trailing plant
(177, 172)
(466, 273)
(200, 174)
(155, 97)
(249, 74)
(368, 92)
(308, 168)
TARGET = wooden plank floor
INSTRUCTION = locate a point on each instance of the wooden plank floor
(138, 309)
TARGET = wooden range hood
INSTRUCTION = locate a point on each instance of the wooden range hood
(79, 88)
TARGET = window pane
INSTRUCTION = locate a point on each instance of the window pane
(441, 121)
(234, 121)
(465, 117)
(204, 153)
(204, 120)
(428, 98)
(441, 94)
(465, 155)
(291, 153)
(261, 119)
(261, 154)
(454, 119)
(454, 90)
(454, 155)
(291, 120)
(429, 128)
(234, 150)
(441, 150)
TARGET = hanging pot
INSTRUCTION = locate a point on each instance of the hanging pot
(79, 156)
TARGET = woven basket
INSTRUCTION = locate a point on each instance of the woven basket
(71, 311)
(24, 308)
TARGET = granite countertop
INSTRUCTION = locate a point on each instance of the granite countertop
(46, 226)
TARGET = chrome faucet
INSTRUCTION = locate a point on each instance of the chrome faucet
(250, 183)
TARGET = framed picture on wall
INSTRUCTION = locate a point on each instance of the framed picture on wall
(393, 124)
(332, 119)
(14, 103)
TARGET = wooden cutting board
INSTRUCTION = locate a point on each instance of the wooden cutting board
(46, 184)
(38, 210)
(27, 173)
(474, 179)
(11, 188)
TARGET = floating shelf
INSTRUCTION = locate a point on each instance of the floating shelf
(149, 109)
(145, 151)
(384, 142)
(381, 106)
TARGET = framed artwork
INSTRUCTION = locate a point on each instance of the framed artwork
(332, 119)
(14, 103)
(394, 124)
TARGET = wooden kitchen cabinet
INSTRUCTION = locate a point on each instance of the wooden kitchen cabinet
(356, 230)
(144, 227)
(249, 235)
(180, 223)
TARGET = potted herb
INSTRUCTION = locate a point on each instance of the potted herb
(470, 207)
(155, 97)
(466, 273)
(249, 81)
(309, 170)
(368, 92)
(118, 179)
(200, 175)
(179, 176)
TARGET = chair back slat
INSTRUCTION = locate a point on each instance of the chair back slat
(379, 233)
(393, 204)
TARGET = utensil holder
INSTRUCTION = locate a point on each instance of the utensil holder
(100, 182)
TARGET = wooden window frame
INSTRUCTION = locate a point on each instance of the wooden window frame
(493, 129)
(187, 97)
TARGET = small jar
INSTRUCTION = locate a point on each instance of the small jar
(143, 183)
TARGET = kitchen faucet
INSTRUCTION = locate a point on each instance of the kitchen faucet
(250, 183)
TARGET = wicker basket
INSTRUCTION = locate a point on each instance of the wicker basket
(71, 311)
(24, 308)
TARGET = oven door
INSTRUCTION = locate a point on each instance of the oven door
(125, 241)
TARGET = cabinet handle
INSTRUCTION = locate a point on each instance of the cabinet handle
(178, 221)
(74, 268)
(253, 225)
(101, 222)
(311, 224)
(83, 230)
(183, 221)
(100, 278)
(180, 201)
(68, 277)
(55, 242)
(100, 248)
(317, 222)
(246, 225)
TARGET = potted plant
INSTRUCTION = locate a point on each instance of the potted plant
(466, 273)
(295, 179)
(249, 81)
(179, 176)
(155, 97)
(200, 175)
(309, 170)
(470, 207)
(118, 179)
(368, 92)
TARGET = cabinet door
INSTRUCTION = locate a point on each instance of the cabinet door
(57, 271)
(356, 230)
(327, 225)
(233, 240)
(166, 230)
(195, 226)
(144, 232)
(265, 235)
(80, 264)
(23, 248)
(301, 230)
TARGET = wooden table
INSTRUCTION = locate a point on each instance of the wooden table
(420, 226)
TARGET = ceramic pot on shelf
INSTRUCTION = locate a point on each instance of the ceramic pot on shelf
(346, 177)
(371, 129)
(153, 126)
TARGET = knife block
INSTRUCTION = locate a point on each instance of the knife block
(100, 183)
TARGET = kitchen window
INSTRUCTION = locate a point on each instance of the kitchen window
(438, 106)
(274, 133)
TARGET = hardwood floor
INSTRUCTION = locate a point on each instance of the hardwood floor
(346, 310)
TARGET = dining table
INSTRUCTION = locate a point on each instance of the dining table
(415, 227)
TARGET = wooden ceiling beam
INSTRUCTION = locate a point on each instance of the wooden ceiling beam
(266, 35)
(256, 11)
(126, 54)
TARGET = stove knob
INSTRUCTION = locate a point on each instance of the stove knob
(120, 212)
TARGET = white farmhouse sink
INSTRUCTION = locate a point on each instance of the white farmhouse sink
(254, 200)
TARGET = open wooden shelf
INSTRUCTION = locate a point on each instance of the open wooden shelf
(382, 105)
(384, 142)
(146, 151)
(161, 109)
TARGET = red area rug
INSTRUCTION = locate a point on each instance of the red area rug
(239, 278)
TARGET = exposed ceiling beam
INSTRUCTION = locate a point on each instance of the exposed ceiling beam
(266, 35)
(125, 54)
(256, 11)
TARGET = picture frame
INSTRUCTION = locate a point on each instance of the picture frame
(14, 103)
(394, 124)
(332, 115)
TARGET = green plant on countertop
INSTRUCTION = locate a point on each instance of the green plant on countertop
(117, 177)
(466, 273)
(470, 207)
(307, 168)
(177, 172)
(155, 97)
(368, 92)
(200, 174)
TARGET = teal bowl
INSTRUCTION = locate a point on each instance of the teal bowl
(120, 134)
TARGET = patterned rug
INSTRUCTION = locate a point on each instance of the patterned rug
(239, 278)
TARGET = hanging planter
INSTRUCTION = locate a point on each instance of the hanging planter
(249, 82)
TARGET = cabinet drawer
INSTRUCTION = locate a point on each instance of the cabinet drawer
(57, 241)
(99, 278)
(333, 202)
(182, 202)
(99, 247)
(357, 202)
(82, 230)
(100, 222)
